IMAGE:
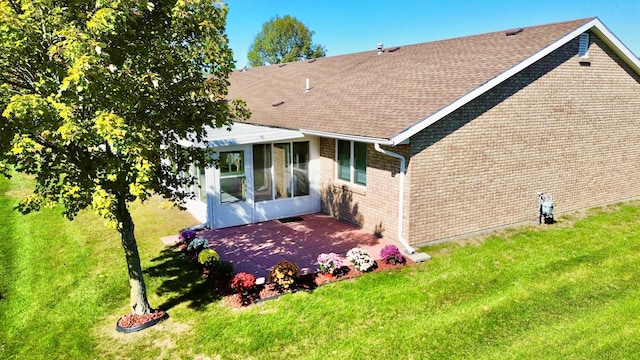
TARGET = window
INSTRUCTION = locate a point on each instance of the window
(352, 161)
(280, 170)
(300, 169)
(262, 182)
(199, 187)
(232, 176)
(202, 185)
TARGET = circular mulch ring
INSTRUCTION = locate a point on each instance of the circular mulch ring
(132, 322)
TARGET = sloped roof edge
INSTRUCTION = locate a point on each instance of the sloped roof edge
(594, 24)
(364, 139)
(243, 134)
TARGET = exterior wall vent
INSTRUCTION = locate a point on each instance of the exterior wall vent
(583, 45)
(514, 31)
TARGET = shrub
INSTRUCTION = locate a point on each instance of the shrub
(391, 255)
(284, 274)
(242, 282)
(187, 235)
(360, 259)
(206, 257)
(328, 263)
(220, 269)
(197, 245)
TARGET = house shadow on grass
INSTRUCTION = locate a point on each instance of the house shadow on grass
(183, 282)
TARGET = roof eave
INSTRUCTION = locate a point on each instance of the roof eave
(595, 24)
(611, 40)
(358, 138)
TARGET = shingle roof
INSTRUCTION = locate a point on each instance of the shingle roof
(379, 96)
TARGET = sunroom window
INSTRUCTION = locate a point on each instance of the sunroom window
(281, 170)
(352, 161)
(199, 187)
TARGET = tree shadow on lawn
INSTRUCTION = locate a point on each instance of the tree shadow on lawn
(183, 281)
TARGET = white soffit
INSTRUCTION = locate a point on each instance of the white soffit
(244, 134)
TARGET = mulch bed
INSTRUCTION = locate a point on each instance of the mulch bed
(131, 321)
(306, 282)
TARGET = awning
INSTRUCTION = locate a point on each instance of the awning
(244, 134)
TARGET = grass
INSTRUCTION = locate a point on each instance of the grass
(567, 291)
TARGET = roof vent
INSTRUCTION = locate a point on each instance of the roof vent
(277, 103)
(396, 48)
(583, 45)
(380, 46)
(513, 32)
(282, 65)
(312, 60)
(308, 86)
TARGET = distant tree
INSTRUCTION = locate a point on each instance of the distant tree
(95, 95)
(283, 39)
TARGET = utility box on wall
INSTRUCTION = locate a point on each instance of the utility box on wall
(545, 208)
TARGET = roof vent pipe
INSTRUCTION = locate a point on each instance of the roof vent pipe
(403, 170)
(380, 47)
(308, 87)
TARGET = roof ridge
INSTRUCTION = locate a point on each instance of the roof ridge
(577, 21)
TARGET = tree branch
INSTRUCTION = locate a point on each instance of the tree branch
(72, 154)
(16, 84)
(16, 7)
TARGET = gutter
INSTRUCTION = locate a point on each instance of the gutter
(403, 170)
(363, 139)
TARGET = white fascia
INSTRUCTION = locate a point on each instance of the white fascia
(595, 25)
(362, 139)
(620, 49)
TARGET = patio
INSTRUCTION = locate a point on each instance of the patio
(256, 247)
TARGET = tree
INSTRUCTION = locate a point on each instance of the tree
(283, 39)
(96, 95)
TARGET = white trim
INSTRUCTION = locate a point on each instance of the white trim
(603, 33)
(616, 45)
(362, 139)
(243, 134)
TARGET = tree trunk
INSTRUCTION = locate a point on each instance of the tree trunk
(139, 302)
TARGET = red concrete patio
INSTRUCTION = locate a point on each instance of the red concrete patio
(255, 248)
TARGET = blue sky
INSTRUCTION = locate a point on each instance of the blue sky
(352, 26)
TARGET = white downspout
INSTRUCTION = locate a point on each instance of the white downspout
(403, 169)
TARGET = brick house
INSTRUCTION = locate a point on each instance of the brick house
(427, 142)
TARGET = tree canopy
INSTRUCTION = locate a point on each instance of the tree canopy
(96, 95)
(283, 39)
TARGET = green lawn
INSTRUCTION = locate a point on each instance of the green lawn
(567, 291)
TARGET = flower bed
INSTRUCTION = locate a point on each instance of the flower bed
(306, 282)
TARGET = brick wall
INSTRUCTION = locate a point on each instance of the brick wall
(558, 126)
(374, 206)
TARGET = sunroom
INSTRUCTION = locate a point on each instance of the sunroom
(263, 173)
